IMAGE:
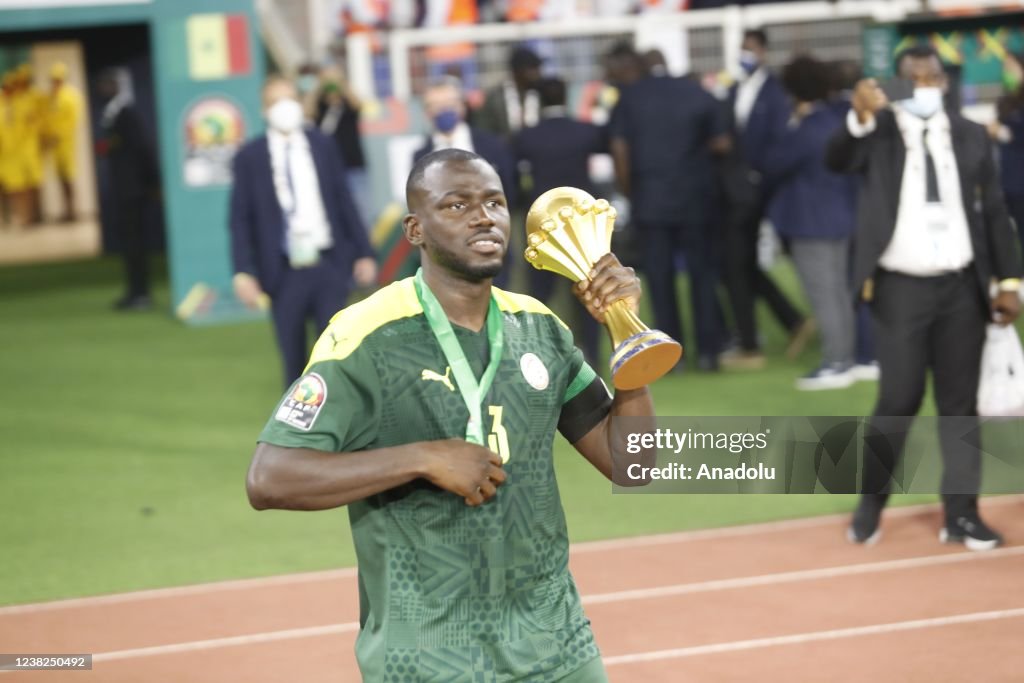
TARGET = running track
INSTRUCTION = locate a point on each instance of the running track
(779, 602)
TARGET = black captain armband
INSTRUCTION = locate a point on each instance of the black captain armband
(585, 410)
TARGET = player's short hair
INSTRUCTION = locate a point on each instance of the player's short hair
(441, 156)
(920, 51)
(757, 35)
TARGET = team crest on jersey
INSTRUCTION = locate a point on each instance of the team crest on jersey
(302, 405)
(534, 371)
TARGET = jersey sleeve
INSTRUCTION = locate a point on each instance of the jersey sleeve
(586, 400)
(334, 407)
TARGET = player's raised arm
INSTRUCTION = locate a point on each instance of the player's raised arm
(307, 479)
(609, 282)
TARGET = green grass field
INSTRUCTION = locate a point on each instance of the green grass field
(126, 437)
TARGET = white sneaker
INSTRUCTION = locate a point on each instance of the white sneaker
(826, 377)
(866, 372)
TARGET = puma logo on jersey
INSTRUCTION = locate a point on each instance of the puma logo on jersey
(431, 376)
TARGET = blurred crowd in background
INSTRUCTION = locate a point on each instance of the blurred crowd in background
(364, 15)
(707, 170)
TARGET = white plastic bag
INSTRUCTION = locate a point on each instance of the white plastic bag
(1001, 389)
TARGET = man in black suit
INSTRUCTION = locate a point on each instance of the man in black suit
(134, 180)
(933, 235)
(556, 153)
(296, 235)
(664, 132)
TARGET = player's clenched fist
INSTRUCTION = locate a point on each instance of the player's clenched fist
(609, 282)
(465, 469)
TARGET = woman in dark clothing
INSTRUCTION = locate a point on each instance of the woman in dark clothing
(1008, 131)
(813, 209)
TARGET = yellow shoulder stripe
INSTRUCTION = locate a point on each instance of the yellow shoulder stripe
(350, 326)
(510, 302)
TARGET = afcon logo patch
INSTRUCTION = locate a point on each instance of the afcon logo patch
(301, 407)
(534, 371)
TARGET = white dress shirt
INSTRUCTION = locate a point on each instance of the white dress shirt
(459, 138)
(746, 95)
(930, 238)
(300, 199)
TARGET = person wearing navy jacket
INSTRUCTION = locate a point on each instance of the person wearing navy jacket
(758, 109)
(814, 209)
(296, 235)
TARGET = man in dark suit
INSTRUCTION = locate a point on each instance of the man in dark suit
(558, 149)
(933, 236)
(296, 235)
(664, 132)
(134, 180)
(556, 152)
(757, 109)
(445, 108)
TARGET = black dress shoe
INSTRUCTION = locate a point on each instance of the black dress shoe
(864, 528)
(134, 302)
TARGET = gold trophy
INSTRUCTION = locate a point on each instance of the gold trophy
(567, 232)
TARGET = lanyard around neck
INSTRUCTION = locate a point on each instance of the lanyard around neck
(473, 393)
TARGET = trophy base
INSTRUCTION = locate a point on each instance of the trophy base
(643, 358)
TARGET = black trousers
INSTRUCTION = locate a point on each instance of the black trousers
(659, 242)
(922, 324)
(130, 222)
(744, 279)
(318, 293)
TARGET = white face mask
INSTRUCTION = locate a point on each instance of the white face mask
(285, 116)
(925, 103)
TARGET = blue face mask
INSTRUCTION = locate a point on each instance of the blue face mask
(925, 102)
(446, 121)
(748, 62)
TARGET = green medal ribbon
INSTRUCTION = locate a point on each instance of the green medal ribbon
(473, 394)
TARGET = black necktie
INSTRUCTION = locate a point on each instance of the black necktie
(931, 177)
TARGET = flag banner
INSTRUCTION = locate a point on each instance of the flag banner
(218, 46)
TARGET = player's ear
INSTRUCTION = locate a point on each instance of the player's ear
(412, 229)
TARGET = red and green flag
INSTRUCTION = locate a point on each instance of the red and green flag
(218, 46)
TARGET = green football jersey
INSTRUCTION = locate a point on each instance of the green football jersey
(450, 592)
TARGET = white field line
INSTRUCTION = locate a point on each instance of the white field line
(815, 636)
(272, 636)
(795, 576)
(577, 549)
(598, 598)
